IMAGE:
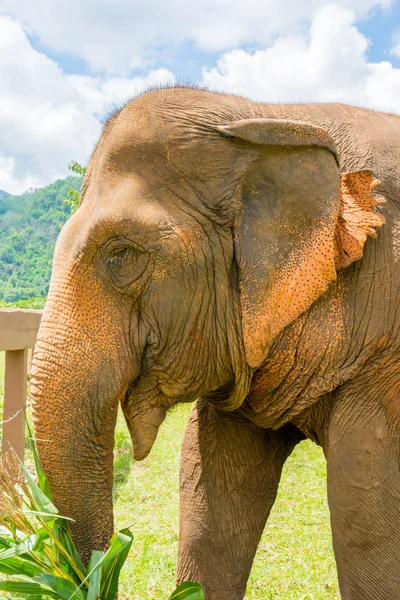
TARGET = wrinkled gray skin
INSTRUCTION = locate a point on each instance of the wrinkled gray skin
(174, 280)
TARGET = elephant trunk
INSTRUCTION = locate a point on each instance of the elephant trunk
(74, 416)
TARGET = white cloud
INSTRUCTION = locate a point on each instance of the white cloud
(100, 92)
(396, 48)
(47, 118)
(328, 64)
(118, 36)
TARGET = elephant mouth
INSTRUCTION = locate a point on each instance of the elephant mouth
(143, 415)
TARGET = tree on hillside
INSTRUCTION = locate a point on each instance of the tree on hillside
(73, 195)
(29, 227)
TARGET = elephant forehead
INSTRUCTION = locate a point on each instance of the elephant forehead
(125, 198)
(135, 132)
(163, 145)
(166, 156)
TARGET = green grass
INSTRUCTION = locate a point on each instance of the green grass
(294, 560)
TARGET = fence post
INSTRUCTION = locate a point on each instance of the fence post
(14, 402)
(18, 331)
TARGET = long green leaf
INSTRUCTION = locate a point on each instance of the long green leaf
(42, 501)
(30, 544)
(61, 553)
(29, 597)
(62, 532)
(188, 591)
(95, 578)
(19, 566)
(119, 542)
(64, 588)
(37, 513)
(43, 482)
(6, 542)
(22, 587)
(114, 559)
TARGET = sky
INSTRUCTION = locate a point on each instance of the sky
(65, 63)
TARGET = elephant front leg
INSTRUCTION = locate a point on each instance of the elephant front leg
(230, 471)
(362, 445)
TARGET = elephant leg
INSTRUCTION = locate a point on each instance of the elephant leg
(230, 471)
(362, 446)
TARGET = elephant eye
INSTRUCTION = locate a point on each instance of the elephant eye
(125, 264)
(120, 261)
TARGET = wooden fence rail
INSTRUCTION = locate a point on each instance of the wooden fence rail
(18, 331)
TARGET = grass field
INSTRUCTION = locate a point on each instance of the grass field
(294, 560)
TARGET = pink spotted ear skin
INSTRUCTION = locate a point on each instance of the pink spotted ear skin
(356, 220)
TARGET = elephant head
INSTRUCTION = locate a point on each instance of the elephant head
(203, 231)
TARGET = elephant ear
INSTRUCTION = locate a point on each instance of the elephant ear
(356, 219)
(298, 221)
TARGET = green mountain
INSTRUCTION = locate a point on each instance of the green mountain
(29, 227)
(4, 199)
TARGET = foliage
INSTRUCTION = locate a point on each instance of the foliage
(76, 168)
(188, 591)
(37, 553)
(29, 227)
(32, 303)
(74, 195)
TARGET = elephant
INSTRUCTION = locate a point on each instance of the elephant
(238, 255)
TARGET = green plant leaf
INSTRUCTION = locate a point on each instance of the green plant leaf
(111, 564)
(64, 588)
(37, 513)
(29, 597)
(95, 577)
(43, 482)
(6, 542)
(30, 544)
(19, 566)
(47, 563)
(188, 591)
(24, 587)
(62, 556)
(63, 534)
(42, 501)
(114, 559)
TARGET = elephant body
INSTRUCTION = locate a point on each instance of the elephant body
(237, 253)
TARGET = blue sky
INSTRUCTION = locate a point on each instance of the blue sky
(62, 63)
(380, 27)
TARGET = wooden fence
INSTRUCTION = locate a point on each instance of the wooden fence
(18, 330)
